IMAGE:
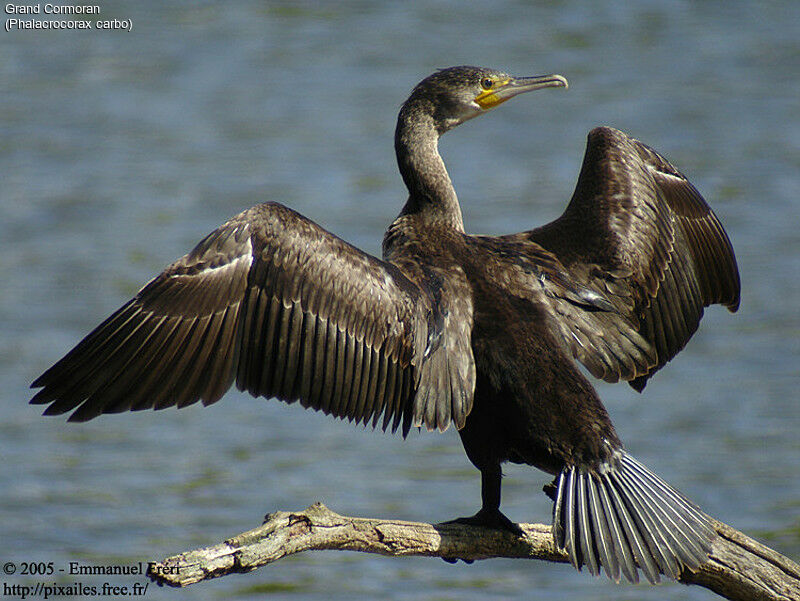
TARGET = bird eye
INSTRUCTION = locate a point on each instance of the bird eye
(487, 83)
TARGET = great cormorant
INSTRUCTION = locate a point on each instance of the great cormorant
(478, 331)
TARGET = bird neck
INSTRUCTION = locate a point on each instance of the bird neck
(416, 142)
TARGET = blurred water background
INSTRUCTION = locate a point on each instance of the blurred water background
(120, 150)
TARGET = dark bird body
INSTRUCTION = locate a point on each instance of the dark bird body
(482, 332)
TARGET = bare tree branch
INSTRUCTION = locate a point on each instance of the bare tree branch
(739, 568)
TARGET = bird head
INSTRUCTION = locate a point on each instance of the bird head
(457, 94)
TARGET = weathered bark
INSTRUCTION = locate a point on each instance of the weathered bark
(739, 568)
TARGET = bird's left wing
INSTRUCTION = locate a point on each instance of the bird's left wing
(283, 307)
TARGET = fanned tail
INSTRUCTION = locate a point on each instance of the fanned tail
(621, 516)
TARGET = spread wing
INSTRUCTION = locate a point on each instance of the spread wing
(638, 234)
(284, 308)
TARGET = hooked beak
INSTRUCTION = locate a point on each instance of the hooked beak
(505, 90)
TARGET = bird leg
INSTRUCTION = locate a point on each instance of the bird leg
(490, 515)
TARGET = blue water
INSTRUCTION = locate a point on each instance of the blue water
(119, 150)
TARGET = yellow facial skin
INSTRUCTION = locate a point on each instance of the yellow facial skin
(489, 99)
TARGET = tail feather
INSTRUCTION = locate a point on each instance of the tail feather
(600, 525)
(587, 546)
(674, 529)
(638, 540)
(622, 517)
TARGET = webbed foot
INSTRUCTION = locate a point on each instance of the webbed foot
(455, 560)
(490, 518)
(551, 489)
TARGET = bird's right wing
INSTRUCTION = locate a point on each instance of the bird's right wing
(641, 236)
(286, 309)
